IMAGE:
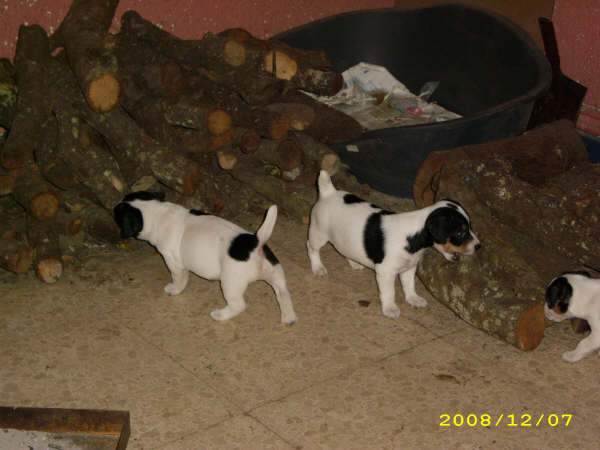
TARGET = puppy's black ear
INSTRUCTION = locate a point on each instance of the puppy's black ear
(129, 220)
(558, 295)
(443, 222)
(160, 196)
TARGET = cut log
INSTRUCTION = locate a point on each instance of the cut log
(35, 194)
(7, 180)
(249, 66)
(301, 116)
(84, 35)
(495, 291)
(32, 57)
(537, 155)
(566, 207)
(200, 116)
(15, 256)
(332, 127)
(8, 93)
(501, 288)
(43, 237)
(99, 223)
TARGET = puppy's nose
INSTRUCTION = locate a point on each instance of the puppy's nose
(477, 246)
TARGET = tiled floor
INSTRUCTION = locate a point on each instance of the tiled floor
(107, 337)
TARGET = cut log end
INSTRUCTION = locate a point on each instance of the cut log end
(234, 53)
(17, 258)
(530, 329)
(44, 206)
(284, 67)
(103, 93)
(49, 270)
(218, 122)
(279, 128)
(227, 160)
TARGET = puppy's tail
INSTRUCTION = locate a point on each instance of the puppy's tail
(264, 232)
(325, 185)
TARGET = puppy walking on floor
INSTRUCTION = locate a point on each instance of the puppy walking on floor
(209, 246)
(384, 241)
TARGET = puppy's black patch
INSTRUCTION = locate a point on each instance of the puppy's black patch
(373, 238)
(197, 212)
(446, 223)
(420, 240)
(145, 195)
(129, 219)
(242, 246)
(270, 255)
(351, 198)
(559, 294)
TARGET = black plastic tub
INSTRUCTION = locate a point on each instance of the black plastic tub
(490, 72)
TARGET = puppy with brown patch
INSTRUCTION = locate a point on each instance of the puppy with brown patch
(576, 295)
(389, 243)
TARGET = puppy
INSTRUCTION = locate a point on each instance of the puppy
(576, 294)
(389, 243)
(209, 246)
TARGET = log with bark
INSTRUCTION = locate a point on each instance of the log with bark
(32, 58)
(501, 289)
(8, 93)
(536, 156)
(84, 35)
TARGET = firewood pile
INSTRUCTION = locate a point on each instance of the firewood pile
(92, 115)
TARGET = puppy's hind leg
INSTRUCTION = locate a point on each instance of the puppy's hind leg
(233, 286)
(276, 279)
(316, 240)
(179, 278)
(387, 293)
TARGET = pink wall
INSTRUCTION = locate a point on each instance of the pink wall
(184, 18)
(577, 25)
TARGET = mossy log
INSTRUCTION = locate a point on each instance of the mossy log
(15, 256)
(8, 93)
(32, 57)
(332, 126)
(529, 235)
(84, 35)
(535, 156)
(44, 238)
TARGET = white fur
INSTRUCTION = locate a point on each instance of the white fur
(200, 244)
(341, 224)
(583, 304)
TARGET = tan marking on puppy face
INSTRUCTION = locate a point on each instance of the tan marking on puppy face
(463, 249)
(557, 310)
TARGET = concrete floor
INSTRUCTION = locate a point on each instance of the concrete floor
(105, 336)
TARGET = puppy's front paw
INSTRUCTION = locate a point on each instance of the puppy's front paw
(289, 319)
(171, 289)
(416, 301)
(320, 271)
(392, 312)
(572, 356)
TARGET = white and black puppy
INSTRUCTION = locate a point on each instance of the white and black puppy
(209, 246)
(576, 295)
(390, 243)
